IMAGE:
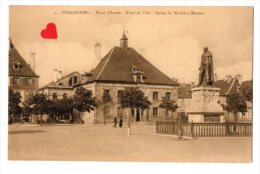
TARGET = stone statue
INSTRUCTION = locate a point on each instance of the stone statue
(206, 77)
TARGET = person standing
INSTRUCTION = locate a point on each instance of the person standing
(115, 122)
(121, 122)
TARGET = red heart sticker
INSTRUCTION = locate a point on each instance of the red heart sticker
(50, 32)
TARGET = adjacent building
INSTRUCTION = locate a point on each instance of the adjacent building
(61, 86)
(124, 67)
(22, 76)
(227, 86)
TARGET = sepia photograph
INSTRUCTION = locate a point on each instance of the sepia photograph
(130, 83)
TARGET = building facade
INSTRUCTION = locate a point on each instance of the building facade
(22, 76)
(124, 67)
(61, 86)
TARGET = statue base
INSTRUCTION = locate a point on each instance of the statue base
(205, 105)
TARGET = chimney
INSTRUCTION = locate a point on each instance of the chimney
(229, 78)
(59, 75)
(32, 61)
(124, 41)
(98, 51)
(97, 54)
(55, 77)
(239, 77)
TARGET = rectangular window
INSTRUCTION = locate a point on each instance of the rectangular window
(119, 94)
(34, 82)
(155, 111)
(16, 81)
(28, 82)
(168, 95)
(212, 118)
(106, 91)
(155, 95)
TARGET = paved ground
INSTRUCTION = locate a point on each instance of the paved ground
(105, 143)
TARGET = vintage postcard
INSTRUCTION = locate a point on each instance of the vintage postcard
(131, 84)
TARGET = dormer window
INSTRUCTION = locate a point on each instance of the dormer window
(138, 76)
(70, 82)
(141, 77)
(17, 65)
(73, 81)
(134, 69)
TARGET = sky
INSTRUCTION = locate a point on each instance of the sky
(171, 38)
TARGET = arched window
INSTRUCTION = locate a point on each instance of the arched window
(134, 69)
(54, 96)
(17, 65)
(65, 96)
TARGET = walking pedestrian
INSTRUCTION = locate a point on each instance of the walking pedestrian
(121, 122)
(115, 122)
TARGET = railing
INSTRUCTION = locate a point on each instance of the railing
(173, 128)
(204, 129)
(240, 129)
(209, 129)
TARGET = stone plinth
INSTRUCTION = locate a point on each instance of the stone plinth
(204, 106)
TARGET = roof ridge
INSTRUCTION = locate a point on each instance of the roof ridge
(52, 82)
(105, 63)
(67, 75)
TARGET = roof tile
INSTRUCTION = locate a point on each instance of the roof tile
(117, 65)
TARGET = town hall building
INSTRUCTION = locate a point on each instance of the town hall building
(124, 67)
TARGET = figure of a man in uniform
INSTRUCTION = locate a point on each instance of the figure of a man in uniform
(206, 77)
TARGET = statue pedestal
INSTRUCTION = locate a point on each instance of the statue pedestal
(204, 106)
